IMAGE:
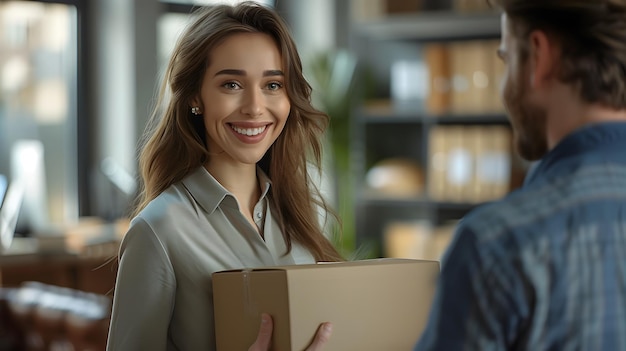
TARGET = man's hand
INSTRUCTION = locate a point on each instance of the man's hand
(264, 339)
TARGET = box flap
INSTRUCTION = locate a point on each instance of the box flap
(374, 261)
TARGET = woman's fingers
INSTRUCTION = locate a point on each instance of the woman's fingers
(321, 337)
(264, 338)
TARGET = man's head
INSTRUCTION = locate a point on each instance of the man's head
(577, 44)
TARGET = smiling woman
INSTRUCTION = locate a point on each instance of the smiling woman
(225, 170)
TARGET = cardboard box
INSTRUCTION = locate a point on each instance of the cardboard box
(379, 304)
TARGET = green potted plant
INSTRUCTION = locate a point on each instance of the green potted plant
(332, 75)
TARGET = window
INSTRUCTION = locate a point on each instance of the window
(210, 2)
(38, 79)
(173, 21)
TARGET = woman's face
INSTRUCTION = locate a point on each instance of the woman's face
(243, 99)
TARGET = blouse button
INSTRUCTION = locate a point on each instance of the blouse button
(259, 215)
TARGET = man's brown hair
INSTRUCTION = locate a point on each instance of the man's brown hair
(592, 38)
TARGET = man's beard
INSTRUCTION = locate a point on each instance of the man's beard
(528, 120)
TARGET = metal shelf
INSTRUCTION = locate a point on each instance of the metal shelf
(433, 26)
(371, 199)
(417, 117)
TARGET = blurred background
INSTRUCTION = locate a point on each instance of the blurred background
(418, 135)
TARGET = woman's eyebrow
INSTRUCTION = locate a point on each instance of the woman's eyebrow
(233, 72)
(275, 72)
(240, 72)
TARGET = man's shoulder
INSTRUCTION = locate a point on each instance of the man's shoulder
(551, 197)
(522, 210)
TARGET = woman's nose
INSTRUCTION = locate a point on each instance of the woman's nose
(253, 103)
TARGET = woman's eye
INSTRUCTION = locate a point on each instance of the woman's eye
(231, 85)
(274, 86)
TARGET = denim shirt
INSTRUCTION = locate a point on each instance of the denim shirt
(545, 267)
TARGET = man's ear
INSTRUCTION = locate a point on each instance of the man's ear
(543, 59)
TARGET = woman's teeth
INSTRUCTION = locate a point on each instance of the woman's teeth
(249, 131)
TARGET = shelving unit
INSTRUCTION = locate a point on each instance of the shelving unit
(432, 26)
(387, 132)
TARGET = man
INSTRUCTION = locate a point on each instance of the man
(545, 268)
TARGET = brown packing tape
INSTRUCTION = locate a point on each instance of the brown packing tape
(249, 305)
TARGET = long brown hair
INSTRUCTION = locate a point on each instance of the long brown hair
(592, 38)
(175, 144)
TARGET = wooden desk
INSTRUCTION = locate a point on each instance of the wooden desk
(87, 273)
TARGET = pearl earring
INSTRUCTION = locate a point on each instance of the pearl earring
(195, 110)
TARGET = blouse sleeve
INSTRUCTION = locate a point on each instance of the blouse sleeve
(144, 292)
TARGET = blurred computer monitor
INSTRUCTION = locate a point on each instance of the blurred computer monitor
(27, 171)
(4, 183)
(9, 210)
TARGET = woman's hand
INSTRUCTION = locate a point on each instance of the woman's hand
(264, 339)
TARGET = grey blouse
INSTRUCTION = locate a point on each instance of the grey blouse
(163, 294)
